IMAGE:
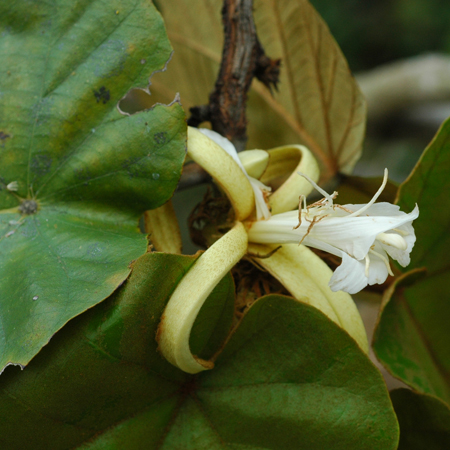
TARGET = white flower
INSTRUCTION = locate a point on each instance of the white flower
(310, 287)
(362, 235)
(259, 189)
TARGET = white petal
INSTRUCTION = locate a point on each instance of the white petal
(262, 210)
(349, 276)
(378, 270)
(355, 235)
(401, 256)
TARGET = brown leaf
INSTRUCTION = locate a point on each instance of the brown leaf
(318, 103)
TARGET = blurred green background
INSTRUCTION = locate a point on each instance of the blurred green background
(374, 32)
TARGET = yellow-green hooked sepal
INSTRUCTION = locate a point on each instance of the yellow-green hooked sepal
(255, 162)
(306, 277)
(162, 226)
(225, 171)
(190, 295)
(289, 159)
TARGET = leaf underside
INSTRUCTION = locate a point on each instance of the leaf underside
(318, 103)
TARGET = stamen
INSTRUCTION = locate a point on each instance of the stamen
(317, 188)
(393, 240)
(302, 197)
(367, 265)
(384, 259)
(312, 223)
(344, 208)
(374, 198)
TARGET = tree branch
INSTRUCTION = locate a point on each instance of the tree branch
(243, 59)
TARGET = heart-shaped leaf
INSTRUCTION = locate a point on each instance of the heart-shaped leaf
(75, 174)
(288, 378)
(318, 103)
(412, 338)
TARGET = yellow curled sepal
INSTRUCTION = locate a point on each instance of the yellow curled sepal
(225, 171)
(190, 295)
(162, 226)
(289, 159)
(255, 162)
(306, 277)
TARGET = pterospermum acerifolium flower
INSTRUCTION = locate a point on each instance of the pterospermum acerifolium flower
(364, 236)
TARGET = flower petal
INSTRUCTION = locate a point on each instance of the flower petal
(254, 161)
(349, 276)
(355, 235)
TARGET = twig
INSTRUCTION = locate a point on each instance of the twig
(243, 59)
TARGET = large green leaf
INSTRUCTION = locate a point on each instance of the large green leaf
(84, 172)
(288, 378)
(412, 338)
(318, 103)
(424, 421)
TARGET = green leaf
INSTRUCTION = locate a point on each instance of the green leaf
(288, 378)
(412, 338)
(428, 186)
(84, 171)
(101, 369)
(424, 421)
(318, 102)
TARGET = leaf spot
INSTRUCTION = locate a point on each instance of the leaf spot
(160, 138)
(102, 95)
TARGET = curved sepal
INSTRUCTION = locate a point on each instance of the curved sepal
(225, 171)
(190, 294)
(289, 159)
(306, 277)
